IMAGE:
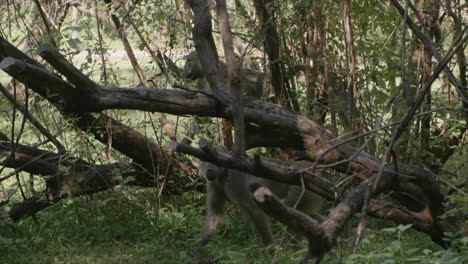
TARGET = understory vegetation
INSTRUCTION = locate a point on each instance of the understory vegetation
(105, 115)
(124, 226)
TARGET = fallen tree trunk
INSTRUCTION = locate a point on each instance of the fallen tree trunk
(65, 178)
(156, 159)
(267, 125)
(417, 212)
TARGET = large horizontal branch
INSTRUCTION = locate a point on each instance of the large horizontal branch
(276, 170)
(25, 162)
(276, 121)
(287, 172)
(323, 235)
(66, 176)
(73, 102)
(309, 137)
(272, 121)
(303, 134)
(77, 182)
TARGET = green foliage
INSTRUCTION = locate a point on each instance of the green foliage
(104, 229)
(409, 251)
(126, 226)
(129, 225)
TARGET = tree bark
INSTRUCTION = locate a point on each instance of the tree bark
(267, 125)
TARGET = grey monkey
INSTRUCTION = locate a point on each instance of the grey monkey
(235, 186)
(253, 83)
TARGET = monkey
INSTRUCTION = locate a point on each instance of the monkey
(224, 185)
(235, 186)
(192, 68)
(253, 83)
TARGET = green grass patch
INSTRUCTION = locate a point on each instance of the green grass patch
(126, 227)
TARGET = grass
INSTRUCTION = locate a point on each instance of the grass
(123, 227)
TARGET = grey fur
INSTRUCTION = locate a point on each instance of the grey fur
(235, 186)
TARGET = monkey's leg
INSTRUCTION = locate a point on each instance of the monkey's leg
(237, 190)
(261, 224)
(245, 201)
(215, 211)
(309, 203)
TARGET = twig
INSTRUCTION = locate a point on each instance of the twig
(428, 43)
(101, 49)
(457, 187)
(33, 120)
(417, 102)
(46, 23)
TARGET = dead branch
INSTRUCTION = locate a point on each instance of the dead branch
(79, 177)
(125, 139)
(279, 126)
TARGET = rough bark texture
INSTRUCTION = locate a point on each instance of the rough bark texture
(267, 125)
(80, 178)
(279, 126)
(73, 102)
(271, 42)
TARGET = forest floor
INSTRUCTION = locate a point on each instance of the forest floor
(124, 226)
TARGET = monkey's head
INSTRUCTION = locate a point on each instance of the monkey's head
(211, 171)
(192, 68)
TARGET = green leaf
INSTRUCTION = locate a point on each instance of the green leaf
(76, 44)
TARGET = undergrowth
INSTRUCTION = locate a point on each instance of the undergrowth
(127, 227)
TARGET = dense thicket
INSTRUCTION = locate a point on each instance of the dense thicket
(373, 94)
